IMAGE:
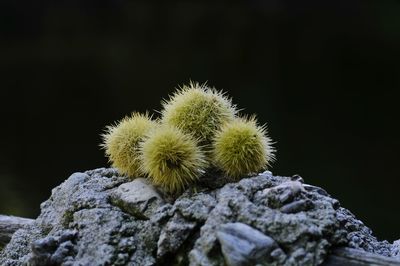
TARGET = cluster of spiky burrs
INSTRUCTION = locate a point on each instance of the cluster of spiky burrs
(199, 130)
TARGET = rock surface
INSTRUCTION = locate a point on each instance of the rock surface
(243, 245)
(101, 218)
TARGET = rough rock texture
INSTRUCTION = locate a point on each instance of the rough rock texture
(8, 226)
(100, 218)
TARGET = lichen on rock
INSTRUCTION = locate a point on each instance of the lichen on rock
(101, 218)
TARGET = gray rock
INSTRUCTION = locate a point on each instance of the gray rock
(396, 249)
(281, 194)
(138, 198)
(174, 234)
(101, 218)
(243, 245)
(297, 206)
(53, 250)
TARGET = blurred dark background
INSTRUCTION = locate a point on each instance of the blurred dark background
(324, 75)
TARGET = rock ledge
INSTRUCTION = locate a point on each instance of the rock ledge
(101, 218)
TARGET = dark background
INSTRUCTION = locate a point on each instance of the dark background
(324, 75)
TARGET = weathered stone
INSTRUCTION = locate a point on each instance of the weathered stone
(276, 197)
(53, 250)
(355, 257)
(396, 249)
(173, 235)
(138, 198)
(8, 226)
(315, 189)
(242, 245)
(101, 218)
(296, 206)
